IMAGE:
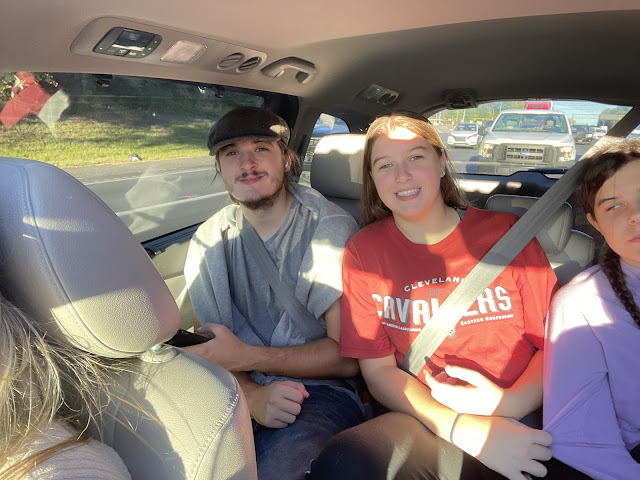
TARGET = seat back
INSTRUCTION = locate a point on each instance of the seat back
(336, 171)
(74, 267)
(569, 251)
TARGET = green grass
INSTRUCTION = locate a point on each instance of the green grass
(78, 142)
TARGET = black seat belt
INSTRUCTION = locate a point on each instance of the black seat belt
(503, 253)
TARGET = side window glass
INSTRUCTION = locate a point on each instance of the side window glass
(138, 143)
(325, 125)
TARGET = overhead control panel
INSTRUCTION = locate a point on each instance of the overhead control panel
(126, 39)
(129, 43)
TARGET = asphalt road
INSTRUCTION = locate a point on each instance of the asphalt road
(157, 197)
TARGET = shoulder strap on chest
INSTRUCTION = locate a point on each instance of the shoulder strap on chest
(304, 320)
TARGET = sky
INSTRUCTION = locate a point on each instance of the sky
(581, 112)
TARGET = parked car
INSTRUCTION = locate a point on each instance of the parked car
(582, 133)
(538, 105)
(127, 92)
(600, 131)
(464, 135)
(486, 127)
(527, 139)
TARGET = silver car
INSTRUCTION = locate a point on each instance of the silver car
(464, 135)
(527, 139)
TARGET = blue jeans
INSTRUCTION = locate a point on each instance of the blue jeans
(286, 453)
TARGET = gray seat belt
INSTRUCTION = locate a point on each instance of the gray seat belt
(301, 316)
(502, 254)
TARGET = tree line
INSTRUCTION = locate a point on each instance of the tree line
(100, 97)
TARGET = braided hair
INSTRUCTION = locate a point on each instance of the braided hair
(600, 167)
(610, 263)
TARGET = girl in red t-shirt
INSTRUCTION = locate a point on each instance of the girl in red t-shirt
(458, 418)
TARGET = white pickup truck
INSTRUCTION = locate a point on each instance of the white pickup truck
(527, 139)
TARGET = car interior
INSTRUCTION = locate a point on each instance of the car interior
(74, 239)
(93, 244)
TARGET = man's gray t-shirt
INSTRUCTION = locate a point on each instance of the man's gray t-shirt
(251, 292)
(226, 285)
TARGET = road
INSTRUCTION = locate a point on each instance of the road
(153, 198)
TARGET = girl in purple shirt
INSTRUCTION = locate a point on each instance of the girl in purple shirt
(591, 391)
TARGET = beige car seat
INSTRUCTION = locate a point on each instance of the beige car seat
(71, 264)
(336, 171)
(568, 251)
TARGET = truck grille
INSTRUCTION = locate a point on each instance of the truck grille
(525, 154)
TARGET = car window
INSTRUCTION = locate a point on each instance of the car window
(531, 122)
(138, 143)
(325, 125)
(466, 127)
(546, 135)
(635, 133)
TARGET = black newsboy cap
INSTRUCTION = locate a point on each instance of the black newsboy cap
(246, 123)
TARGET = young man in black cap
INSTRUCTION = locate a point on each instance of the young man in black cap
(299, 389)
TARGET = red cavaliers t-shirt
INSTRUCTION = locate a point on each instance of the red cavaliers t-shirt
(393, 286)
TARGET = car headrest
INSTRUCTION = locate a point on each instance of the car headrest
(555, 233)
(336, 169)
(69, 262)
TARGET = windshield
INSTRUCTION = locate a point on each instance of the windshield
(526, 122)
(466, 127)
(522, 139)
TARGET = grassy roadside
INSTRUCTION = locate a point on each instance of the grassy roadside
(78, 142)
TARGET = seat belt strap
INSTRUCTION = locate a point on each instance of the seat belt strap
(309, 326)
(503, 253)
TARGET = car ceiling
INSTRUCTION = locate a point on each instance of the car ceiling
(418, 49)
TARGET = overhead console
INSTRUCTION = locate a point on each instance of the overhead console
(125, 42)
(138, 42)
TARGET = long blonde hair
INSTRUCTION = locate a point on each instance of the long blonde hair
(38, 377)
(373, 207)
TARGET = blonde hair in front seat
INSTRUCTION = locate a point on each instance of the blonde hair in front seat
(35, 369)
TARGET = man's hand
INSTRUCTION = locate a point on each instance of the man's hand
(225, 349)
(504, 445)
(276, 405)
(480, 397)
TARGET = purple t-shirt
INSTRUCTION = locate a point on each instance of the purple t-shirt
(591, 385)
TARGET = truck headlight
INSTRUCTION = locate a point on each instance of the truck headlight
(450, 140)
(486, 149)
(567, 154)
(472, 139)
